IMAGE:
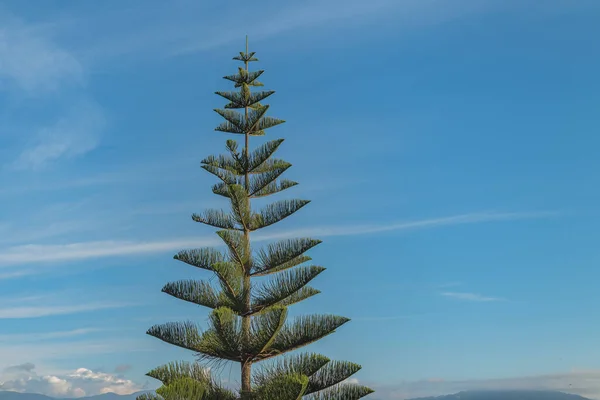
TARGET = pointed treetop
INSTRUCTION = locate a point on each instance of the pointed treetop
(246, 56)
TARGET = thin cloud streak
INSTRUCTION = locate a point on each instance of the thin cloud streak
(87, 250)
(471, 297)
(179, 34)
(14, 354)
(164, 169)
(438, 222)
(303, 16)
(388, 318)
(43, 336)
(35, 311)
(16, 274)
(24, 232)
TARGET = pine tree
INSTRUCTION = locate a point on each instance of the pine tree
(249, 323)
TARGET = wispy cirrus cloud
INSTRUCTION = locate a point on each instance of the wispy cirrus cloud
(177, 32)
(302, 15)
(157, 170)
(39, 336)
(462, 219)
(27, 232)
(86, 250)
(32, 61)
(44, 305)
(36, 66)
(36, 311)
(15, 274)
(72, 135)
(471, 297)
(54, 220)
(389, 318)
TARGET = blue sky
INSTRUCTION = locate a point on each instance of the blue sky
(449, 148)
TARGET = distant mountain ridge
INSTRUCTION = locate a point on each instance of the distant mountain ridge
(467, 395)
(6, 395)
(507, 395)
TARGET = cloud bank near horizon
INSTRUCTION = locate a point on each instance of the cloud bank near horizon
(82, 382)
(85, 382)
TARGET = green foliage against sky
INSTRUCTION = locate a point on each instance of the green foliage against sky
(248, 323)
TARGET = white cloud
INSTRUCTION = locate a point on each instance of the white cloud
(106, 383)
(86, 250)
(24, 231)
(26, 254)
(34, 64)
(352, 381)
(300, 15)
(74, 134)
(471, 297)
(584, 383)
(173, 29)
(81, 382)
(15, 274)
(32, 61)
(462, 219)
(43, 306)
(36, 337)
(21, 312)
(157, 170)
